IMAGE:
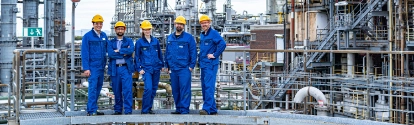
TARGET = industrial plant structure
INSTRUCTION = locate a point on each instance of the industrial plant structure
(300, 62)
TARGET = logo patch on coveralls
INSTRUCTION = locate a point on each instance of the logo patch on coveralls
(180, 46)
(144, 48)
(103, 38)
(206, 44)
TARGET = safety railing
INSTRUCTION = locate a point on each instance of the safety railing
(45, 78)
(264, 88)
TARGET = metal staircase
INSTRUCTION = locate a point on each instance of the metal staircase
(376, 5)
(327, 43)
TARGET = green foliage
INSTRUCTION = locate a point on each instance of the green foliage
(78, 37)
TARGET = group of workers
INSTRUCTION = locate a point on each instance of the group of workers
(178, 60)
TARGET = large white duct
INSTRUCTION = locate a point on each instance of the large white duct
(312, 91)
(104, 91)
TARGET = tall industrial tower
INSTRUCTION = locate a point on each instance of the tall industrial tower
(8, 39)
(30, 18)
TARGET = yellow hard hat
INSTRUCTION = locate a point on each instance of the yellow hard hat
(180, 19)
(204, 18)
(120, 24)
(97, 18)
(146, 25)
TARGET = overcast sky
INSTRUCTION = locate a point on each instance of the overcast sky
(86, 9)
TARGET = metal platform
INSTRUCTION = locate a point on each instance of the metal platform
(29, 116)
(163, 117)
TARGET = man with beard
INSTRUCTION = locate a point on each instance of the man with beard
(211, 47)
(93, 54)
(120, 68)
(180, 58)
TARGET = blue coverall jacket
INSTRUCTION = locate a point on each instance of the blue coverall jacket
(211, 43)
(93, 54)
(148, 55)
(93, 50)
(112, 45)
(181, 52)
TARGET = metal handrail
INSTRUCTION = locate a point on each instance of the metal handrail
(24, 67)
(18, 84)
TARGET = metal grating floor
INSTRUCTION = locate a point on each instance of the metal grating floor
(39, 115)
(162, 116)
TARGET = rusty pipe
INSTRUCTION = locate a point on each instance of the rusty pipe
(17, 76)
(402, 36)
(39, 51)
(29, 104)
(391, 40)
(57, 76)
(65, 79)
(292, 29)
(165, 86)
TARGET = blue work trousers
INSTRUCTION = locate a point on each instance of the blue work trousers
(151, 81)
(181, 89)
(95, 82)
(208, 85)
(122, 88)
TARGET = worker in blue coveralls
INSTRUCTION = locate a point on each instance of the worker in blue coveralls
(93, 62)
(181, 56)
(149, 61)
(211, 47)
(120, 68)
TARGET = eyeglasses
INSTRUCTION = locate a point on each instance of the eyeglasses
(204, 23)
(98, 24)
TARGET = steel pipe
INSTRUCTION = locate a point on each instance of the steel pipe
(324, 51)
(310, 91)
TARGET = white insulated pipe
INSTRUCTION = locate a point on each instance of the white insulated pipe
(351, 63)
(104, 91)
(254, 96)
(312, 91)
(287, 102)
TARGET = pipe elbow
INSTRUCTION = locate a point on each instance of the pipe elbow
(309, 91)
(167, 87)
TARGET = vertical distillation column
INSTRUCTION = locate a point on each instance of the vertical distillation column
(139, 9)
(59, 23)
(228, 10)
(273, 7)
(118, 13)
(184, 8)
(8, 39)
(148, 10)
(30, 17)
(48, 35)
(164, 7)
(210, 6)
(189, 6)
(129, 11)
(195, 16)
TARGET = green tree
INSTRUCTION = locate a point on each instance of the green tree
(78, 37)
